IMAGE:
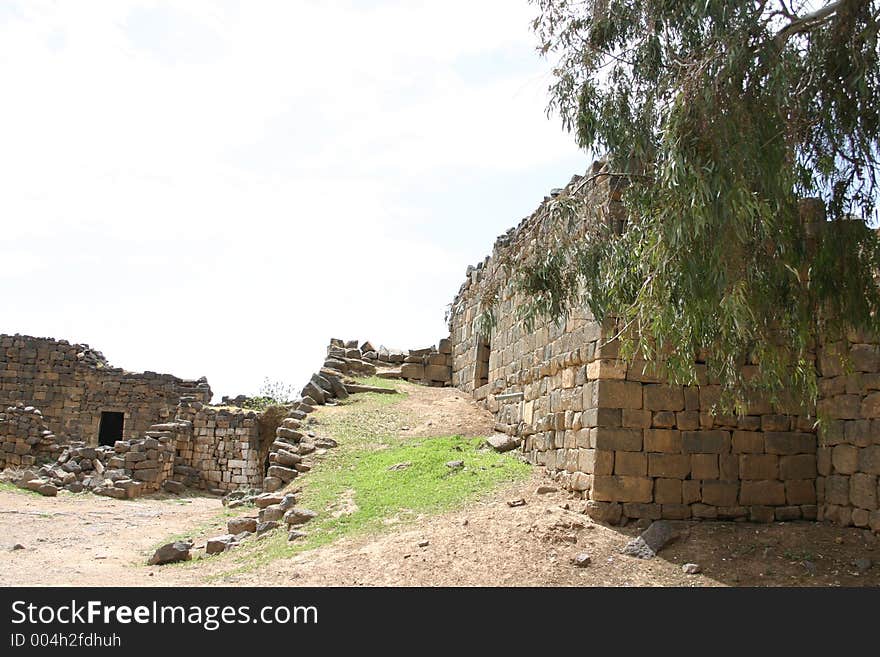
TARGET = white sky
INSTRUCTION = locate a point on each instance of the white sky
(217, 188)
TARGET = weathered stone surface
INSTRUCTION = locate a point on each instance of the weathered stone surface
(501, 442)
(296, 516)
(171, 553)
(651, 541)
(217, 544)
(238, 525)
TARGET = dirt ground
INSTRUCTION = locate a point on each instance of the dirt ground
(89, 540)
(84, 539)
(443, 411)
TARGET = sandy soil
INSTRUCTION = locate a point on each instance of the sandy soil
(91, 540)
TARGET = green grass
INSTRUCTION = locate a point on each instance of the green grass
(12, 488)
(378, 382)
(358, 471)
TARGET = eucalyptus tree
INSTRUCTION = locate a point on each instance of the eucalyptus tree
(724, 115)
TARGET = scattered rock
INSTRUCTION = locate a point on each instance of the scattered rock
(455, 464)
(238, 525)
(650, 541)
(691, 569)
(810, 566)
(299, 516)
(544, 490)
(171, 553)
(267, 526)
(400, 466)
(219, 544)
(294, 534)
(501, 442)
(516, 502)
(17, 546)
(422, 543)
(582, 560)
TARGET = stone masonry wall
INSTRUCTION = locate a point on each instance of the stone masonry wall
(72, 384)
(849, 438)
(638, 448)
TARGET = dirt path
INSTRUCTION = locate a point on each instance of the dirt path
(88, 540)
(492, 544)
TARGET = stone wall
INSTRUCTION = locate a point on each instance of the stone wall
(638, 448)
(72, 384)
(849, 437)
(25, 438)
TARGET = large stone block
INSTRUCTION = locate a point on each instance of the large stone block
(845, 459)
(622, 489)
(800, 491)
(663, 440)
(706, 442)
(759, 466)
(863, 490)
(704, 466)
(748, 442)
(836, 490)
(798, 466)
(633, 464)
(667, 491)
(763, 493)
(789, 443)
(415, 371)
(720, 493)
(625, 440)
(869, 460)
(660, 397)
(619, 394)
(670, 466)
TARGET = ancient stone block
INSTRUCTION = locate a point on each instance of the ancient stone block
(845, 459)
(706, 442)
(748, 442)
(667, 491)
(626, 440)
(720, 493)
(764, 493)
(863, 490)
(759, 466)
(634, 464)
(789, 443)
(660, 397)
(800, 491)
(670, 466)
(622, 489)
(798, 466)
(704, 466)
(663, 440)
(619, 394)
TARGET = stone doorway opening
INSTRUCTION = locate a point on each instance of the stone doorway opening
(110, 430)
(481, 372)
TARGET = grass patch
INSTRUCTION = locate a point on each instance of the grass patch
(379, 382)
(12, 488)
(354, 490)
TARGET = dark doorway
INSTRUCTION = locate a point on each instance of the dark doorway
(111, 427)
(481, 371)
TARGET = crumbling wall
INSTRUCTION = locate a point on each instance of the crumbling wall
(639, 448)
(72, 384)
(25, 438)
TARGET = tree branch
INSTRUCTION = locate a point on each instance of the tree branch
(808, 21)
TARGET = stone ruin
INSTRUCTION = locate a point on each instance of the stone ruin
(72, 421)
(636, 447)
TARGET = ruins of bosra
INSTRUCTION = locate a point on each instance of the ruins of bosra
(633, 446)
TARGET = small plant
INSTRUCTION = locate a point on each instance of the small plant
(272, 393)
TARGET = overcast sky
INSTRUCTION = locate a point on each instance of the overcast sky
(217, 188)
